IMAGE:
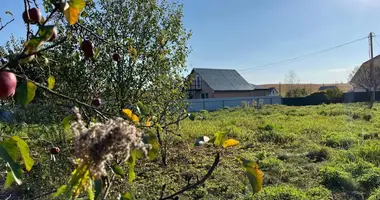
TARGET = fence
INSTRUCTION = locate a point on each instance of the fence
(359, 97)
(213, 104)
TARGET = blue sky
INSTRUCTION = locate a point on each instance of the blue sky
(247, 34)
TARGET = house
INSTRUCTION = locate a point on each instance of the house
(218, 83)
(264, 91)
(361, 80)
(325, 87)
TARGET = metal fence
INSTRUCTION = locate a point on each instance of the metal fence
(213, 104)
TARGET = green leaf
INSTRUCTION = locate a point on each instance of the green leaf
(98, 184)
(131, 166)
(16, 172)
(33, 44)
(100, 32)
(151, 139)
(220, 137)
(192, 116)
(143, 109)
(83, 14)
(254, 174)
(9, 151)
(46, 32)
(117, 170)
(127, 196)
(25, 93)
(8, 12)
(60, 190)
(51, 82)
(97, 51)
(66, 123)
(9, 180)
(24, 149)
(90, 192)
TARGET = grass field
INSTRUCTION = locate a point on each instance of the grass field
(314, 152)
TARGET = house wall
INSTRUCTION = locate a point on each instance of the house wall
(234, 94)
(205, 88)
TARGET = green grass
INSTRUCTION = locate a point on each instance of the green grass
(311, 152)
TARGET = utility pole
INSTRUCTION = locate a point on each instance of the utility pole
(371, 68)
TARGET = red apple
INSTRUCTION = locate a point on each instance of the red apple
(96, 102)
(54, 150)
(88, 48)
(54, 35)
(116, 57)
(35, 16)
(8, 83)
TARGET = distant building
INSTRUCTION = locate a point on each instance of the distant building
(218, 83)
(325, 87)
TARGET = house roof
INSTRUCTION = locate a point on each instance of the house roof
(362, 69)
(259, 87)
(325, 87)
(223, 79)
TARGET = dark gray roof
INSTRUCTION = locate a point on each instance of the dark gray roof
(327, 87)
(224, 79)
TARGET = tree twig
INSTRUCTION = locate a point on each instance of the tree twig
(109, 187)
(42, 195)
(63, 96)
(6, 24)
(195, 185)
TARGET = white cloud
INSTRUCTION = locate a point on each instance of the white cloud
(338, 70)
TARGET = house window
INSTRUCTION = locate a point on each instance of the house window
(198, 82)
(204, 95)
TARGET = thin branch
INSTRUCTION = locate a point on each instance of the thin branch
(63, 96)
(26, 8)
(42, 195)
(163, 188)
(195, 185)
(109, 187)
(6, 24)
(21, 56)
(91, 32)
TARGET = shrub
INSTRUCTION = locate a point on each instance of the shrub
(339, 140)
(280, 192)
(319, 193)
(370, 180)
(334, 93)
(318, 155)
(276, 137)
(375, 195)
(296, 92)
(337, 179)
(367, 117)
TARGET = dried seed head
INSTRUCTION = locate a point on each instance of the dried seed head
(101, 142)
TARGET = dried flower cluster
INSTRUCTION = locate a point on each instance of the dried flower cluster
(100, 142)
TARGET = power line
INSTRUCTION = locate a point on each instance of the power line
(302, 56)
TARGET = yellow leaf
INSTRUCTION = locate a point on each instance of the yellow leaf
(72, 15)
(255, 175)
(135, 119)
(230, 143)
(78, 4)
(147, 123)
(127, 113)
(51, 82)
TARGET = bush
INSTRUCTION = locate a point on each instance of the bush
(334, 93)
(341, 140)
(281, 192)
(367, 117)
(296, 92)
(337, 179)
(370, 180)
(318, 155)
(276, 137)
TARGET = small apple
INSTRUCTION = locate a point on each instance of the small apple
(88, 48)
(35, 16)
(54, 34)
(8, 83)
(116, 57)
(96, 102)
(54, 150)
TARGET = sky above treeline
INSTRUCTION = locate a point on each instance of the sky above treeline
(249, 35)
